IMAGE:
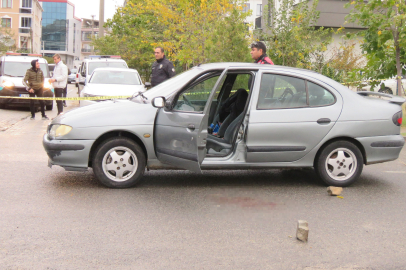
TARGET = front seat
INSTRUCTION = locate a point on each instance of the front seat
(236, 108)
(225, 143)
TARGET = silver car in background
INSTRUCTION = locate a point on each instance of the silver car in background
(111, 82)
(269, 117)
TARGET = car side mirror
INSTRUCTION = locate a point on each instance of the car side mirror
(158, 102)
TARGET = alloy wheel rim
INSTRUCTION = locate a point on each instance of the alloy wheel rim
(341, 164)
(120, 164)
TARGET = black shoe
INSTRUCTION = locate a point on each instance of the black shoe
(64, 105)
(32, 118)
(44, 117)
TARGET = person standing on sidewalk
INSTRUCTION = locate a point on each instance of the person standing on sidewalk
(59, 80)
(34, 83)
(258, 53)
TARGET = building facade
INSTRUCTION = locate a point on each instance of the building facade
(21, 21)
(90, 28)
(254, 20)
(61, 31)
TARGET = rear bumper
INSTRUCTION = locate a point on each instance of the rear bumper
(382, 148)
(68, 153)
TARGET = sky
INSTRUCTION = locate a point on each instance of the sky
(87, 8)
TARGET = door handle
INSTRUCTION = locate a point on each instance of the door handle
(323, 121)
(191, 127)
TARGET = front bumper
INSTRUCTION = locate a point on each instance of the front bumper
(382, 148)
(70, 154)
(16, 91)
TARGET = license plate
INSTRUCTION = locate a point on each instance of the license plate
(24, 95)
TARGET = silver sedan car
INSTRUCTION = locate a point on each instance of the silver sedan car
(231, 116)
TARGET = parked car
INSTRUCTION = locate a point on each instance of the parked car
(97, 61)
(111, 82)
(386, 86)
(282, 117)
(13, 67)
(72, 76)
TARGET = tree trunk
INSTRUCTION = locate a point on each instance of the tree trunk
(399, 72)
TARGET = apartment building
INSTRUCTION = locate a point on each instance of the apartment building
(22, 20)
(61, 31)
(90, 28)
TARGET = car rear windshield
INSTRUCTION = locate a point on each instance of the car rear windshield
(74, 71)
(115, 77)
(18, 69)
(93, 66)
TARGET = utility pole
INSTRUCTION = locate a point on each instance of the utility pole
(92, 33)
(101, 19)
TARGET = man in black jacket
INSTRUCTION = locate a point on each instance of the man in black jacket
(162, 68)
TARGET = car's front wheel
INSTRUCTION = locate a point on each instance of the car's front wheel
(339, 164)
(119, 163)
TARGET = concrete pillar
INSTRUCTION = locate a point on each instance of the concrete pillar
(101, 18)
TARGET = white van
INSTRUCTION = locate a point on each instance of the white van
(97, 61)
(13, 67)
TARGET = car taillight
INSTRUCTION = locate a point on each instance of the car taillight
(397, 118)
(77, 75)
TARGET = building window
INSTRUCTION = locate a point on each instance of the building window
(6, 3)
(245, 7)
(24, 42)
(6, 22)
(259, 9)
(26, 3)
(74, 37)
(25, 22)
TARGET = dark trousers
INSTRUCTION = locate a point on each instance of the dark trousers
(65, 93)
(37, 93)
(59, 105)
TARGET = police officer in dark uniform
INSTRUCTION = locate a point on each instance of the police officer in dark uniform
(162, 68)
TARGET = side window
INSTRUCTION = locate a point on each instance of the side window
(318, 96)
(194, 99)
(280, 92)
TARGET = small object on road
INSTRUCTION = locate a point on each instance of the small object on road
(302, 232)
(334, 191)
(340, 197)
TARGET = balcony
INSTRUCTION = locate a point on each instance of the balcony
(86, 50)
(26, 10)
(24, 30)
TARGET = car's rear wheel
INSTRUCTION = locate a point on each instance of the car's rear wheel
(119, 163)
(339, 164)
(386, 90)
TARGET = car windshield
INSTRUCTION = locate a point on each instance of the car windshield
(18, 69)
(115, 77)
(93, 66)
(167, 87)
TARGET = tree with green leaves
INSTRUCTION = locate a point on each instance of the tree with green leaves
(290, 35)
(384, 38)
(191, 32)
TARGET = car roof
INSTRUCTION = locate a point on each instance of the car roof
(18, 58)
(116, 69)
(104, 60)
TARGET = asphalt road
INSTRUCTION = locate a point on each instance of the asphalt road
(53, 219)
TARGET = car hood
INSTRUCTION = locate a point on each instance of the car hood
(112, 89)
(109, 113)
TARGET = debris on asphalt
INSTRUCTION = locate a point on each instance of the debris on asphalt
(340, 197)
(334, 191)
(302, 232)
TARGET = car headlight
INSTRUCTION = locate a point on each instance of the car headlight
(47, 85)
(8, 84)
(59, 130)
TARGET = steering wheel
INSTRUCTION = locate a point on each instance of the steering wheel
(287, 91)
(187, 100)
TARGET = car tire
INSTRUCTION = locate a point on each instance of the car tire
(2, 106)
(119, 163)
(50, 107)
(339, 164)
(386, 90)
